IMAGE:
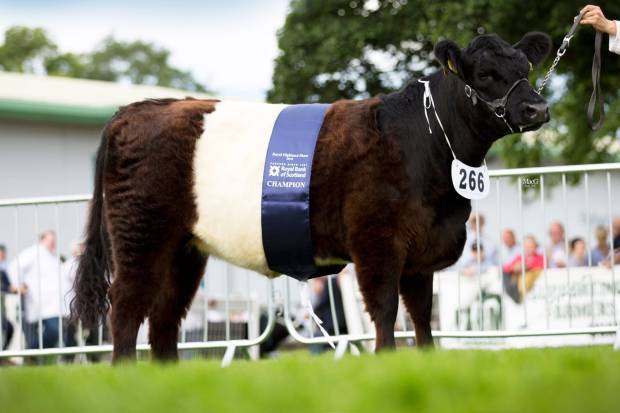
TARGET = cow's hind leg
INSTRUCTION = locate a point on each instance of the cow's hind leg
(174, 298)
(417, 292)
(131, 296)
(142, 256)
(378, 270)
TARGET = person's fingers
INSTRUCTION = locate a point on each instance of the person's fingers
(587, 21)
(588, 8)
(593, 14)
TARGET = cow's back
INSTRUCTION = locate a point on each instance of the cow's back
(228, 172)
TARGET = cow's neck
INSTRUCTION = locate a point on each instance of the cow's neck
(468, 131)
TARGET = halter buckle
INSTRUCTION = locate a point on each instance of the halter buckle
(500, 111)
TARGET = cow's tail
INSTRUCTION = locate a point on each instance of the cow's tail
(92, 280)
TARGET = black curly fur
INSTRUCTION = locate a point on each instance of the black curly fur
(91, 303)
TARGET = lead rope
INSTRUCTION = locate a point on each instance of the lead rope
(597, 93)
(429, 103)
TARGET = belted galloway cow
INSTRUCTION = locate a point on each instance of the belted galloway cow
(180, 180)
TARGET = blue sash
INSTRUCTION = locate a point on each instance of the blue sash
(285, 204)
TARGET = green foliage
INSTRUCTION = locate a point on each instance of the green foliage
(337, 49)
(23, 47)
(567, 380)
(31, 50)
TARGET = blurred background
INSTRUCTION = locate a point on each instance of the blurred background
(67, 65)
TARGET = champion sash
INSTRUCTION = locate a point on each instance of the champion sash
(285, 202)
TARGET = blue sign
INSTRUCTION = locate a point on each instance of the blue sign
(285, 204)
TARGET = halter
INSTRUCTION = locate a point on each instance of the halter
(497, 106)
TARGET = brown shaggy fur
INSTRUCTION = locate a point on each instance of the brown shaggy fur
(380, 195)
(356, 213)
(150, 212)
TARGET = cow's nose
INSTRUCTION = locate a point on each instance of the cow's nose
(536, 112)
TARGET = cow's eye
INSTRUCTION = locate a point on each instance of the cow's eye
(484, 76)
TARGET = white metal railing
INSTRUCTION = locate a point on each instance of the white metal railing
(524, 197)
(527, 327)
(250, 308)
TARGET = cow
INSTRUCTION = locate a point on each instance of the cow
(381, 195)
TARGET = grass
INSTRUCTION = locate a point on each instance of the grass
(524, 381)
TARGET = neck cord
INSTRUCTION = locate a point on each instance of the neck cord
(429, 103)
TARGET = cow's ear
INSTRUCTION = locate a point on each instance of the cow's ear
(535, 45)
(448, 54)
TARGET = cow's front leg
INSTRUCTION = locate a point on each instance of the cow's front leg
(417, 292)
(378, 271)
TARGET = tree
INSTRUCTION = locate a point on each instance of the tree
(31, 50)
(23, 48)
(337, 49)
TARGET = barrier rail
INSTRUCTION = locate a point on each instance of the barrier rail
(211, 309)
(479, 307)
(593, 282)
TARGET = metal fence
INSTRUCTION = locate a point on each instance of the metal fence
(233, 308)
(483, 306)
(573, 304)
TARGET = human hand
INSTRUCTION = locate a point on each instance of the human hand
(593, 15)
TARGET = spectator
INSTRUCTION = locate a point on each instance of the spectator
(556, 253)
(6, 288)
(615, 231)
(600, 253)
(533, 259)
(518, 280)
(510, 247)
(3, 266)
(473, 234)
(578, 256)
(38, 269)
(67, 271)
(322, 308)
(471, 266)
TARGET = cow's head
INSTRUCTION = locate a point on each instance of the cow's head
(493, 70)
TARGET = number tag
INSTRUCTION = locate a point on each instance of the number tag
(470, 182)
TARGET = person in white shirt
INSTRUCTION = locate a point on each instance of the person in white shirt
(593, 16)
(510, 247)
(475, 232)
(38, 269)
(68, 270)
(556, 253)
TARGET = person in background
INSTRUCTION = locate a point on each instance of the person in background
(600, 253)
(37, 267)
(578, 254)
(615, 235)
(3, 264)
(593, 16)
(6, 288)
(615, 227)
(533, 259)
(473, 236)
(510, 246)
(322, 308)
(67, 272)
(556, 252)
(518, 280)
(471, 266)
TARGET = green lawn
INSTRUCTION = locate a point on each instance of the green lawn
(583, 380)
